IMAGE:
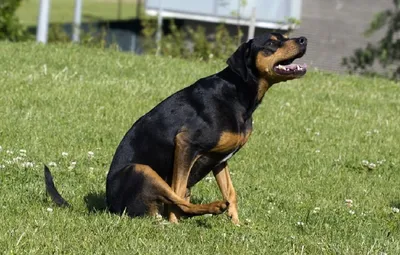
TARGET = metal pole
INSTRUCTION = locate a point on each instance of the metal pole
(159, 26)
(252, 25)
(43, 21)
(77, 21)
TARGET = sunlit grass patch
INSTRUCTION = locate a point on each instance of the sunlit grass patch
(319, 174)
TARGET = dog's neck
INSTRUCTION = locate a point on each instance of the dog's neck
(250, 94)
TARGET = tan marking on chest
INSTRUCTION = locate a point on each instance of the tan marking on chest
(263, 86)
(229, 141)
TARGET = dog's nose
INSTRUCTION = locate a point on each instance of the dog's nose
(302, 41)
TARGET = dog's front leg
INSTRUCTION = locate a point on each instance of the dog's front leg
(224, 182)
(184, 159)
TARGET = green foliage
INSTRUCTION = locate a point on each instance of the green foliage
(201, 46)
(10, 26)
(92, 38)
(148, 32)
(304, 158)
(225, 44)
(57, 34)
(385, 53)
(189, 43)
(174, 43)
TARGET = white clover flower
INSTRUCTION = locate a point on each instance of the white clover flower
(91, 168)
(22, 151)
(352, 212)
(317, 133)
(208, 179)
(72, 166)
(316, 210)
(90, 154)
(317, 151)
(49, 209)
(371, 166)
(17, 159)
(365, 162)
(2, 166)
(376, 131)
(300, 223)
(27, 164)
(52, 163)
(64, 154)
(348, 202)
(395, 209)
(9, 152)
(380, 162)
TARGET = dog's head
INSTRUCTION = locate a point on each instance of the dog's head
(269, 57)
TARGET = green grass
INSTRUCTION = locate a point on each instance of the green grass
(62, 11)
(306, 151)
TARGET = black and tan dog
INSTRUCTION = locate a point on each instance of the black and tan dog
(195, 131)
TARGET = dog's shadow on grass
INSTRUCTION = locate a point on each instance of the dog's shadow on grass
(96, 202)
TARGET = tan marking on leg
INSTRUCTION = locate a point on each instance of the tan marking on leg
(183, 163)
(225, 185)
(162, 192)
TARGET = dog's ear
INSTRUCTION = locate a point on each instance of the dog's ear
(240, 61)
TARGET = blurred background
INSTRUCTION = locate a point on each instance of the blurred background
(356, 36)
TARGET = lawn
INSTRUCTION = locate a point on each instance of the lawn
(319, 175)
(62, 11)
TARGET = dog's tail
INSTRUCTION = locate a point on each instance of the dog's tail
(51, 189)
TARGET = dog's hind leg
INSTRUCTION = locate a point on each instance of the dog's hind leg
(144, 190)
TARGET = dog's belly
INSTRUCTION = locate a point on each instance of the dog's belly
(205, 164)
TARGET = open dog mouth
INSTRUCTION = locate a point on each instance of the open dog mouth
(286, 67)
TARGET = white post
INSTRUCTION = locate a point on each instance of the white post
(252, 25)
(43, 21)
(159, 26)
(77, 20)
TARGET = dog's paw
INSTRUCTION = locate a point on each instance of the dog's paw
(219, 207)
(233, 214)
(235, 221)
